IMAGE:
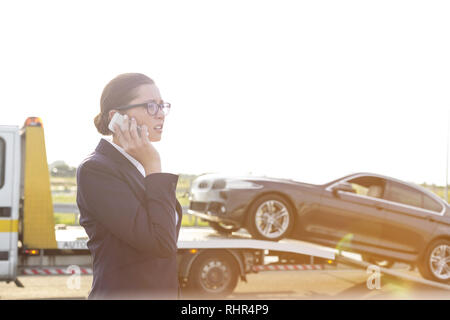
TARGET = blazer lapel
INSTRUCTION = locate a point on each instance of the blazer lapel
(132, 175)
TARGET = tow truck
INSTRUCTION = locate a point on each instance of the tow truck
(209, 263)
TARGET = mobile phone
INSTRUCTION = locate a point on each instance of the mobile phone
(120, 120)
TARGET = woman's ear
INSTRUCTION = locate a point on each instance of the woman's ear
(111, 114)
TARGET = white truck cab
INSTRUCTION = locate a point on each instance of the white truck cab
(10, 147)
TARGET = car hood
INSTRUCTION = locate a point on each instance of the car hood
(255, 179)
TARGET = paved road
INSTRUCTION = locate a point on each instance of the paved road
(313, 284)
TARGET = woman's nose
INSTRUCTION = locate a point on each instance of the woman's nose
(159, 114)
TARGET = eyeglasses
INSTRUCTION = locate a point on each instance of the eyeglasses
(152, 107)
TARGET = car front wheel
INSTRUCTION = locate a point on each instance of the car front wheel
(270, 218)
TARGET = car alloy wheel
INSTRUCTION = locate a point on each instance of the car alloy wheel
(272, 219)
(439, 261)
(434, 263)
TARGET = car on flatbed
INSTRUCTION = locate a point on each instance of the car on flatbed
(380, 217)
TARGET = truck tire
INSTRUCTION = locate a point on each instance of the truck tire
(213, 275)
(222, 228)
(270, 217)
(434, 264)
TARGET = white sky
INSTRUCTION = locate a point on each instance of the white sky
(309, 90)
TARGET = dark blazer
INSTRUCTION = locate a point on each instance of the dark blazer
(130, 221)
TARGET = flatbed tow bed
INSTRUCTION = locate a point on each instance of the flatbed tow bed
(208, 262)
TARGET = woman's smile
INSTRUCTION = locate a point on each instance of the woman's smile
(158, 128)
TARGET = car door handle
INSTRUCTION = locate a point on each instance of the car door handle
(431, 219)
(378, 207)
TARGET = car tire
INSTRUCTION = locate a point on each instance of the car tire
(222, 228)
(263, 212)
(429, 269)
(213, 275)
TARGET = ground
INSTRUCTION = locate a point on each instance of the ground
(342, 283)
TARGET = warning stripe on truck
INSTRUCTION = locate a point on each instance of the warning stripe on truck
(287, 267)
(55, 271)
(9, 225)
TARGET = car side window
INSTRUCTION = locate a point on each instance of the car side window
(405, 195)
(359, 189)
(368, 186)
(431, 204)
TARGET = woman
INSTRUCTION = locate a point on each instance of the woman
(127, 205)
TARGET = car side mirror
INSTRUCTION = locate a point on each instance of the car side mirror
(342, 186)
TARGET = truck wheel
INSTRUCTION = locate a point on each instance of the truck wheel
(270, 218)
(213, 275)
(435, 263)
(222, 228)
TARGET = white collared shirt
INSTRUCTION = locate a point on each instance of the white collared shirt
(136, 163)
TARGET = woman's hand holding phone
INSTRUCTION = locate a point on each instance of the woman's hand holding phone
(138, 146)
